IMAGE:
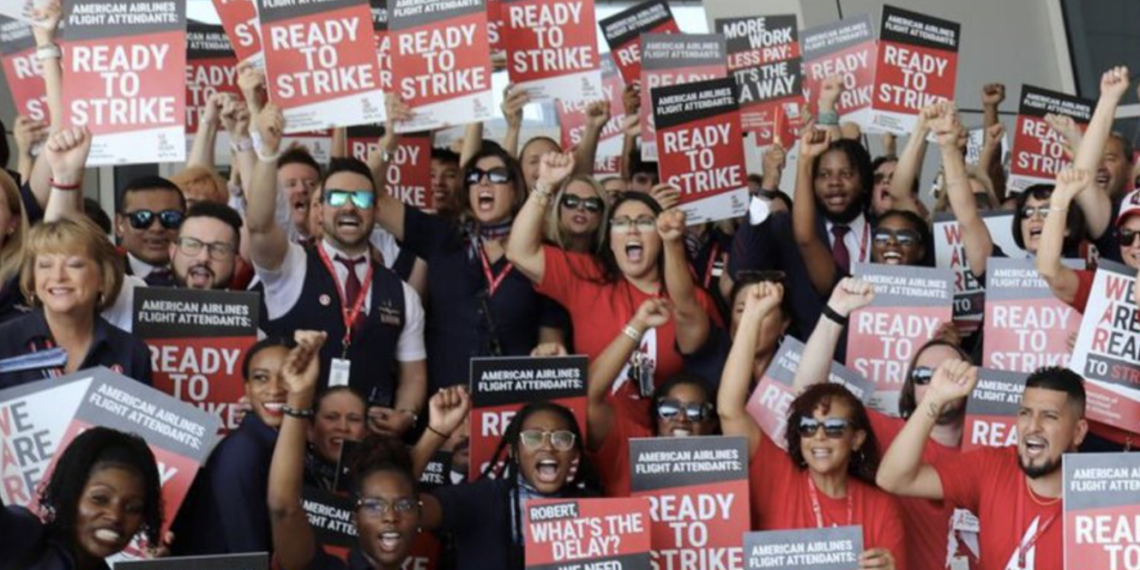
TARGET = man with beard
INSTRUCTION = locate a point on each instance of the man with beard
(151, 209)
(204, 254)
(1016, 492)
(338, 286)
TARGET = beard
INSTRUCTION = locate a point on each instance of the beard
(847, 216)
(1038, 471)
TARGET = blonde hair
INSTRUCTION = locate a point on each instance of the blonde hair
(12, 253)
(81, 237)
(202, 178)
(552, 227)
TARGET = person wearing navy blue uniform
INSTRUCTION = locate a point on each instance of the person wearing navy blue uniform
(151, 209)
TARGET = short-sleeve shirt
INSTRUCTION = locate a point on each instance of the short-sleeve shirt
(611, 460)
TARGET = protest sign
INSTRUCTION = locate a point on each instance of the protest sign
(318, 143)
(197, 342)
(39, 420)
(383, 41)
(239, 18)
(495, 28)
(698, 496)
(501, 386)
(587, 533)
(623, 34)
(676, 59)
(845, 48)
(1026, 326)
(701, 148)
(771, 401)
(20, 10)
(22, 70)
(320, 63)
(211, 67)
(408, 178)
(1102, 511)
(124, 64)
(255, 561)
(1039, 151)
(552, 50)
(572, 120)
(975, 143)
(835, 548)
(438, 472)
(910, 304)
(441, 66)
(764, 58)
(331, 516)
(1107, 353)
(950, 253)
(992, 408)
(917, 66)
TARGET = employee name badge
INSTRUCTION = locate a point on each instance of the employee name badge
(338, 372)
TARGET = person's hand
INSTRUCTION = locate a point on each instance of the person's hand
(927, 115)
(160, 550)
(631, 98)
(549, 349)
(45, 21)
(992, 137)
(762, 299)
(302, 366)
(671, 226)
(448, 409)
(271, 127)
(387, 421)
(1065, 126)
(829, 91)
(953, 380)
(397, 109)
(553, 168)
(514, 100)
(251, 81)
(890, 143)
(28, 133)
(213, 109)
(814, 143)
(775, 159)
(597, 115)
(1114, 82)
(993, 94)
(850, 131)
(666, 195)
(631, 125)
(850, 295)
(1070, 183)
(66, 153)
(876, 559)
(651, 314)
(946, 126)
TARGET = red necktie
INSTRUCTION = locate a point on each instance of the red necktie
(352, 287)
(839, 251)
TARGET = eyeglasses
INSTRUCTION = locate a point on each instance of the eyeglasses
(1029, 212)
(1126, 238)
(833, 428)
(562, 440)
(921, 375)
(362, 199)
(377, 507)
(883, 236)
(669, 408)
(494, 175)
(644, 224)
(573, 201)
(217, 250)
(142, 219)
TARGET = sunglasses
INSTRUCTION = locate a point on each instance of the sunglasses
(573, 202)
(362, 199)
(644, 223)
(494, 175)
(1029, 212)
(142, 219)
(669, 408)
(921, 375)
(376, 507)
(883, 236)
(833, 428)
(562, 440)
(1126, 238)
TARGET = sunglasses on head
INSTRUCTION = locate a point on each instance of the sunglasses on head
(669, 408)
(833, 428)
(883, 236)
(921, 375)
(573, 202)
(562, 440)
(362, 199)
(494, 175)
(142, 219)
(1126, 238)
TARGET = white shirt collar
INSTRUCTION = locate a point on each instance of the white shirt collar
(139, 268)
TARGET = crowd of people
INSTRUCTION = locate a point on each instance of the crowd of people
(372, 310)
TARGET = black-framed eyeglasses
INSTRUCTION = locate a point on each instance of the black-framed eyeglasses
(362, 199)
(496, 175)
(833, 428)
(574, 201)
(883, 236)
(921, 375)
(1126, 237)
(216, 250)
(142, 219)
(562, 440)
(669, 408)
(377, 507)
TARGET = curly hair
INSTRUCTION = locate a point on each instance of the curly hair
(864, 463)
(382, 454)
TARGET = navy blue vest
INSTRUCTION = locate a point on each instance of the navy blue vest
(373, 348)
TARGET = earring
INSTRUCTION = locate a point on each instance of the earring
(102, 298)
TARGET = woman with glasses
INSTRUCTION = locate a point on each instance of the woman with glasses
(576, 224)
(827, 476)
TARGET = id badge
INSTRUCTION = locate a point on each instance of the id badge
(338, 372)
(645, 376)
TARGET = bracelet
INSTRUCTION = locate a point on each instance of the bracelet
(1058, 210)
(834, 316)
(269, 158)
(415, 416)
(58, 186)
(828, 118)
(632, 333)
(439, 433)
(541, 191)
(767, 194)
(304, 414)
(48, 51)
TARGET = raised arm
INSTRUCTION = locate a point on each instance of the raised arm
(472, 143)
(202, 149)
(816, 255)
(597, 115)
(989, 162)
(772, 166)
(975, 235)
(850, 295)
(48, 16)
(389, 210)
(447, 410)
(828, 116)
(28, 133)
(605, 368)
(630, 127)
(692, 320)
(909, 166)
(1062, 280)
(1097, 206)
(235, 118)
(524, 247)
(294, 542)
(268, 242)
(513, 102)
(762, 298)
(66, 155)
(902, 471)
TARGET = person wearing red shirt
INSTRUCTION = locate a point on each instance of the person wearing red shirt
(827, 476)
(1015, 491)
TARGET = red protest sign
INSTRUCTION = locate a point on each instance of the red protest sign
(845, 48)
(669, 59)
(572, 121)
(211, 67)
(590, 533)
(917, 66)
(123, 73)
(495, 26)
(1102, 510)
(22, 70)
(764, 58)
(623, 34)
(409, 168)
(910, 304)
(239, 18)
(501, 386)
(1039, 151)
(1026, 326)
(552, 50)
(383, 42)
(702, 149)
(992, 408)
(321, 63)
(441, 63)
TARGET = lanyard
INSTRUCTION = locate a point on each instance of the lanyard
(493, 282)
(349, 315)
(1027, 544)
(814, 495)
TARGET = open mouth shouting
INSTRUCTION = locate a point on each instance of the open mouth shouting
(634, 251)
(390, 542)
(892, 257)
(199, 277)
(1103, 177)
